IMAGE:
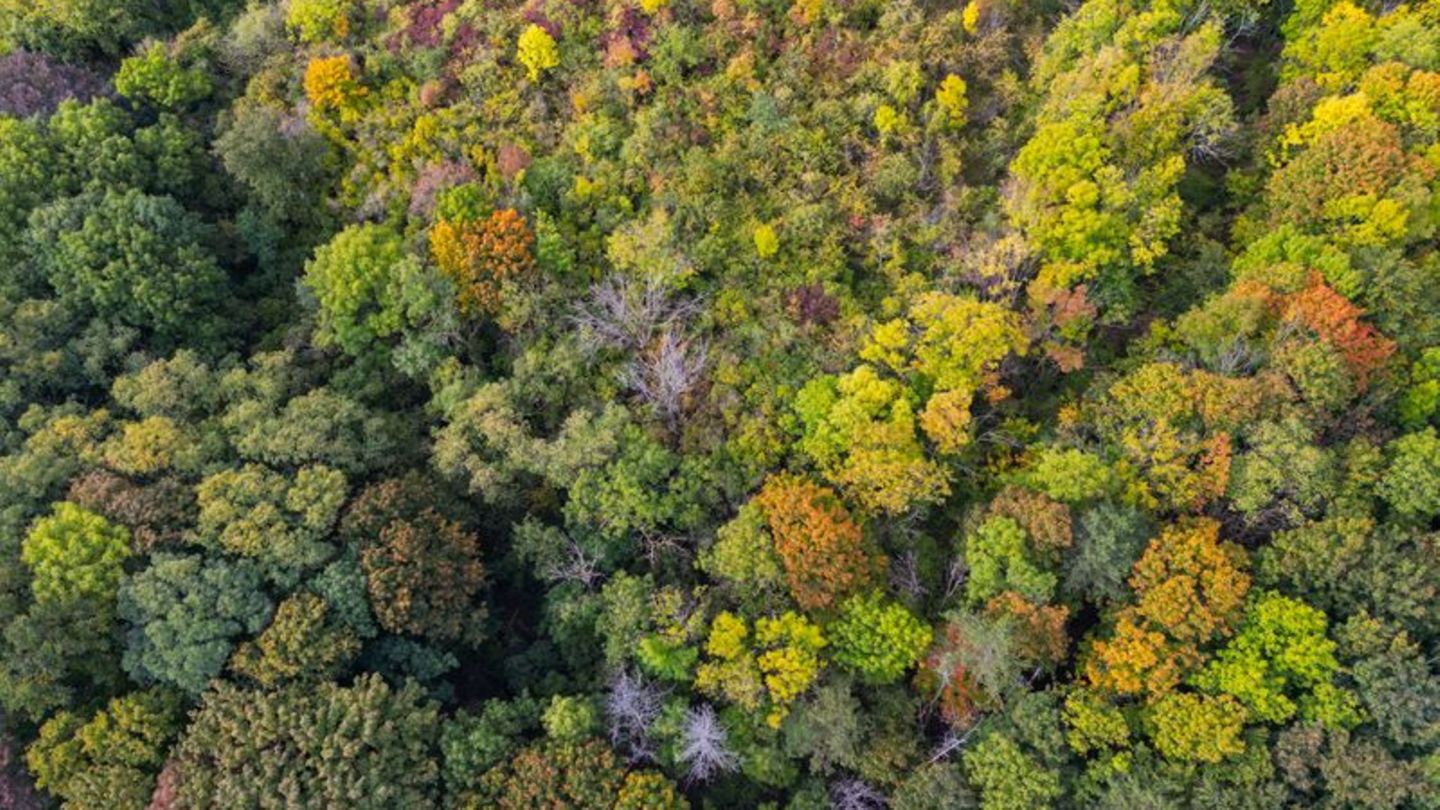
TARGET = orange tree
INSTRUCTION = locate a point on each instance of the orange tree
(821, 548)
(481, 255)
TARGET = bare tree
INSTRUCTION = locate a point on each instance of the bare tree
(905, 575)
(955, 576)
(664, 373)
(623, 314)
(631, 706)
(705, 745)
(576, 565)
(853, 794)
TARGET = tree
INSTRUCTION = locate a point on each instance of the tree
(569, 718)
(77, 27)
(17, 790)
(649, 790)
(1096, 187)
(1411, 484)
(704, 747)
(110, 760)
(356, 282)
(272, 749)
(303, 643)
(1281, 662)
(185, 613)
(25, 170)
(320, 20)
(1000, 559)
(472, 743)
(140, 259)
(56, 656)
(157, 77)
(1190, 588)
(821, 549)
(33, 84)
(481, 257)
(878, 641)
(951, 343)
(1109, 538)
(281, 522)
(554, 775)
(1197, 728)
(860, 429)
(769, 669)
(951, 98)
(971, 668)
(331, 85)
(75, 555)
(321, 426)
(279, 158)
(743, 556)
(422, 569)
(1347, 565)
(1009, 778)
(536, 51)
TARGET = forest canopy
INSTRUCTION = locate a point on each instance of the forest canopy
(785, 404)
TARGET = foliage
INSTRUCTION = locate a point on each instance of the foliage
(422, 569)
(156, 77)
(860, 429)
(584, 774)
(110, 760)
(356, 283)
(771, 667)
(1197, 727)
(878, 641)
(140, 259)
(302, 643)
(791, 404)
(270, 748)
(1190, 588)
(1280, 648)
(185, 613)
(536, 51)
(821, 549)
(75, 555)
(482, 256)
(1008, 777)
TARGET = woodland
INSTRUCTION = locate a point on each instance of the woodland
(663, 404)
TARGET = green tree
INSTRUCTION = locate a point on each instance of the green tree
(1001, 559)
(140, 259)
(57, 656)
(274, 749)
(1411, 484)
(25, 167)
(1009, 778)
(110, 760)
(472, 743)
(878, 641)
(75, 555)
(355, 279)
(185, 614)
(1281, 662)
(157, 77)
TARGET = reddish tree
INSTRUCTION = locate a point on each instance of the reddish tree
(822, 549)
(1337, 321)
(481, 255)
(422, 568)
